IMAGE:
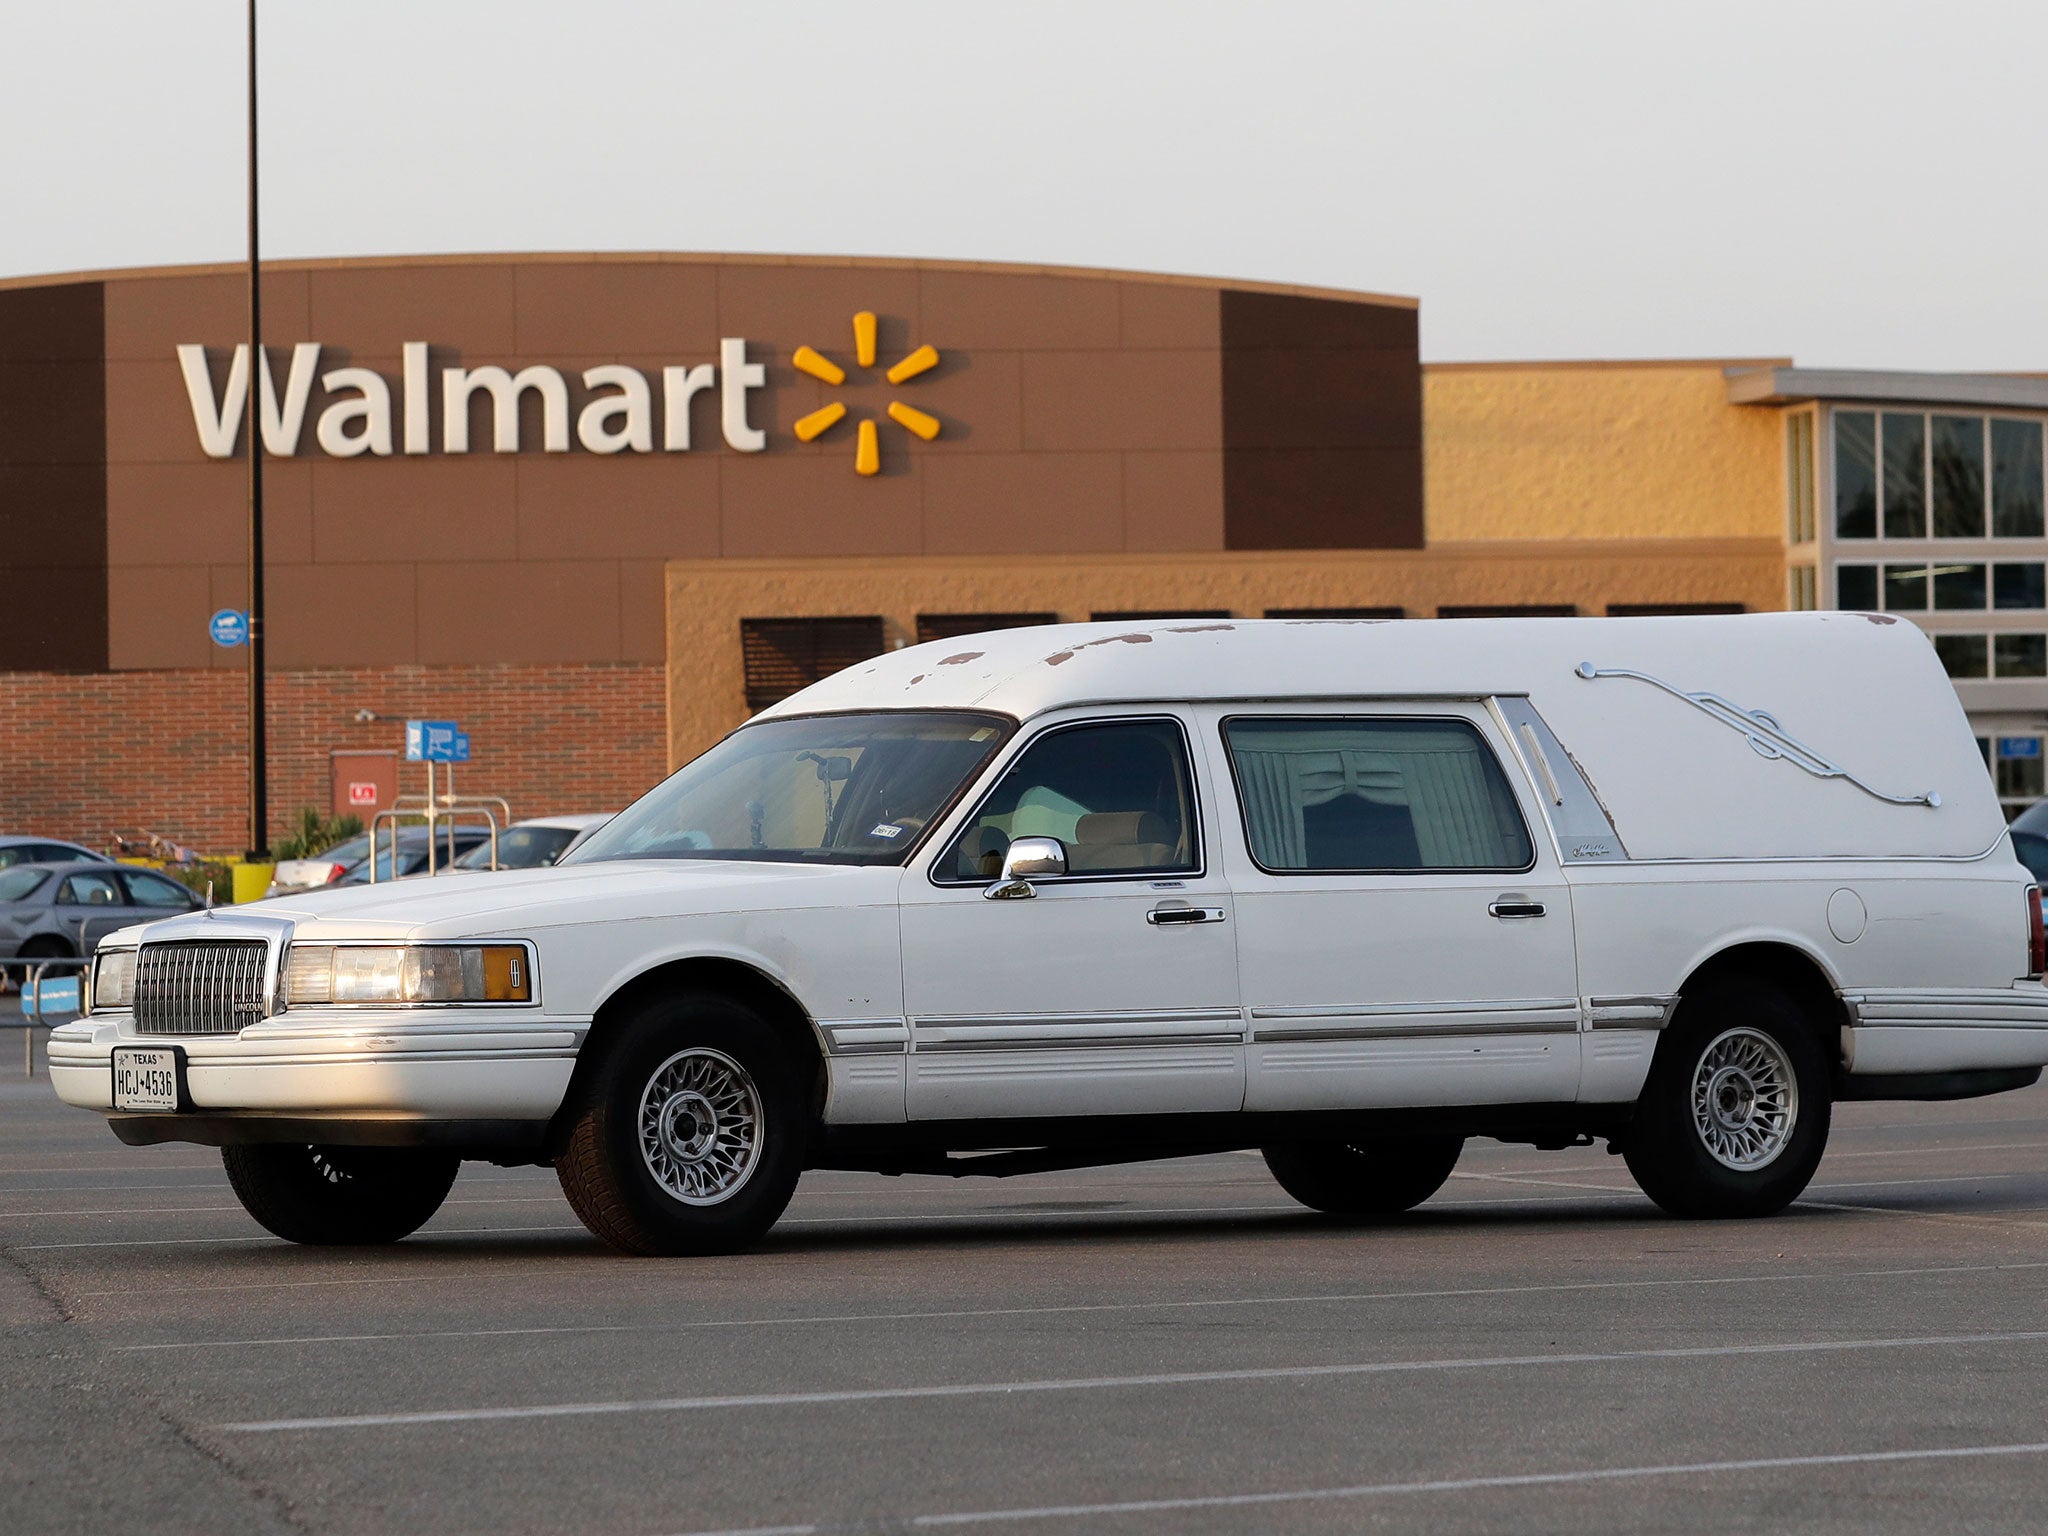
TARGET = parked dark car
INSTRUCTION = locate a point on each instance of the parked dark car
(16, 849)
(2030, 840)
(48, 911)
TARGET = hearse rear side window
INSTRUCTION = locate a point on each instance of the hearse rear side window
(1331, 795)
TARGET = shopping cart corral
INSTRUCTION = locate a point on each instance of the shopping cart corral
(51, 992)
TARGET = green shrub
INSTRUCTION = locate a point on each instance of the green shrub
(314, 833)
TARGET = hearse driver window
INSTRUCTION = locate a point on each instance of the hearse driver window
(1117, 796)
(1373, 795)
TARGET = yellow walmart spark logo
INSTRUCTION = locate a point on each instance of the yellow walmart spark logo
(867, 453)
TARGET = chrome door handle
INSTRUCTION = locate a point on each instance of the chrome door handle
(1178, 917)
(1515, 908)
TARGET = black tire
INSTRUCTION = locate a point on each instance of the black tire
(35, 949)
(1380, 1177)
(1769, 1141)
(340, 1196)
(726, 1123)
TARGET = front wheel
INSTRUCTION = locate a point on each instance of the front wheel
(330, 1196)
(1381, 1177)
(1734, 1117)
(688, 1135)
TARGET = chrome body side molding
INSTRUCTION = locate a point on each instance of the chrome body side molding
(1645, 1012)
(865, 1037)
(2020, 1007)
(1535, 1016)
(944, 1034)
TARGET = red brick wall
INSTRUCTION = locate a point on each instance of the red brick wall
(85, 754)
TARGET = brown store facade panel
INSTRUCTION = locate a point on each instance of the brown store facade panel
(453, 440)
(53, 507)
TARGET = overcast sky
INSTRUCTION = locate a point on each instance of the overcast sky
(1849, 183)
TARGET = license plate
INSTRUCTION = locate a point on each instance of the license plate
(146, 1079)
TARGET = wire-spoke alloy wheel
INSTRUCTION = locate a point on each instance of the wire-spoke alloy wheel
(687, 1125)
(1734, 1116)
(700, 1126)
(1745, 1099)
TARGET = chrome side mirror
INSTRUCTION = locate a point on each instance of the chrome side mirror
(1028, 859)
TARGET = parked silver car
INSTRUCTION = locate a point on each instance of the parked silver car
(16, 849)
(49, 911)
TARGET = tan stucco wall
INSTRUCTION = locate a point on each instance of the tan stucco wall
(708, 598)
(1598, 451)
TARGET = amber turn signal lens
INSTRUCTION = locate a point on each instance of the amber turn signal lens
(508, 975)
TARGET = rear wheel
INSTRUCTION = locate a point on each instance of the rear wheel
(1735, 1115)
(340, 1195)
(1380, 1177)
(688, 1134)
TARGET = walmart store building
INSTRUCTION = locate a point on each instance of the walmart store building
(597, 508)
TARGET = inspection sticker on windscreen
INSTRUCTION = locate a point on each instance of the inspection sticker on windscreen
(146, 1079)
(886, 829)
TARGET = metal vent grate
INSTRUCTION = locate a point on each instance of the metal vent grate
(946, 626)
(783, 655)
(199, 988)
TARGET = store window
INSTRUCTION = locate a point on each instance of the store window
(1964, 656)
(1977, 656)
(1948, 588)
(2020, 655)
(1130, 614)
(1649, 610)
(1508, 611)
(1905, 589)
(947, 626)
(1955, 458)
(1336, 613)
(1904, 445)
(1799, 490)
(1805, 589)
(2019, 584)
(1909, 475)
(1855, 475)
(2016, 479)
(783, 655)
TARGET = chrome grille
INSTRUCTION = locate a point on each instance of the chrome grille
(208, 988)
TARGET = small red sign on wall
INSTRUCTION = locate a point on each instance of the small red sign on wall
(362, 791)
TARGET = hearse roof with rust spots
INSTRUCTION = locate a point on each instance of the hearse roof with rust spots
(1662, 745)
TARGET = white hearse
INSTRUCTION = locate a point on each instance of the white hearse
(1349, 893)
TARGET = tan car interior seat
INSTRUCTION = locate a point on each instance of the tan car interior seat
(1107, 840)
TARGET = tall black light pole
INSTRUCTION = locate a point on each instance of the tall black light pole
(259, 731)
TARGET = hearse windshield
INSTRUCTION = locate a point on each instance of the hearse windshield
(821, 789)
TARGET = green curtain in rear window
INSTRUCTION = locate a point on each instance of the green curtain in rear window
(1438, 771)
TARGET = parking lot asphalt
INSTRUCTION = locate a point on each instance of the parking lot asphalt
(1166, 1348)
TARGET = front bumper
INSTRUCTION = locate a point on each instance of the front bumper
(471, 1066)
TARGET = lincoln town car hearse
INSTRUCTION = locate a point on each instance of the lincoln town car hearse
(1345, 892)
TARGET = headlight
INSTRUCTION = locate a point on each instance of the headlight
(111, 988)
(407, 973)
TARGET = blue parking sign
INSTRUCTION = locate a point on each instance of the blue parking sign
(435, 741)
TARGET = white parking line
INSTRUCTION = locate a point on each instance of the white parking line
(552, 1197)
(1113, 1383)
(1438, 1485)
(842, 1319)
